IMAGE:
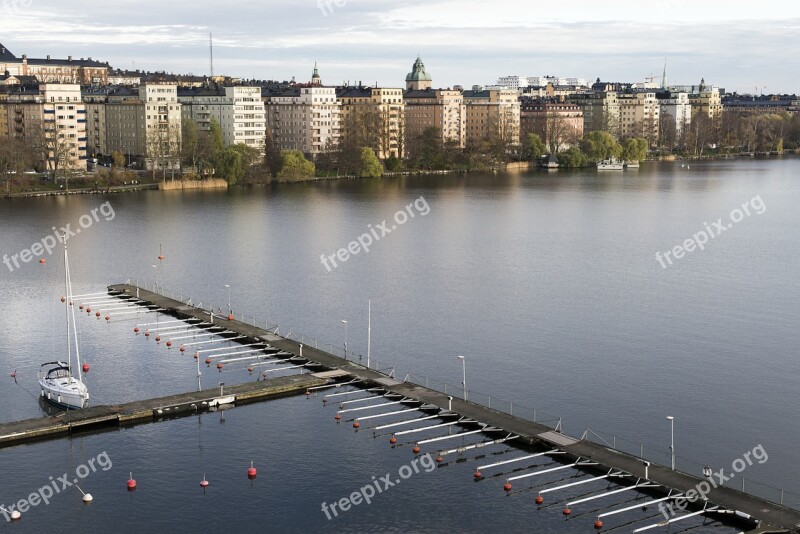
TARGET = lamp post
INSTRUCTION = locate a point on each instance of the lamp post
(671, 420)
(345, 338)
(464, 374)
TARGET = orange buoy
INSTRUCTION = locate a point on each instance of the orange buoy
(356, 424)
(539, 499)
(219, 366)
(136, 330)
(598, 524)
(230, 317)
(393, 440)
(566, 511)
(338, 417)
(43, 261)
(85, 367)
(439, 459)
(507, 486)
(416, 449)
(131, 483)
(204, 482)
(477, 475)
(208, 360)
(251, 473)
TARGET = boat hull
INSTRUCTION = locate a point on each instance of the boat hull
(68, 396)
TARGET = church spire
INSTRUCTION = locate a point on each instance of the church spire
(664, 79)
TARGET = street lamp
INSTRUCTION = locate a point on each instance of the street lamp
(672, 439)
(345, 338)
(464, 374)
(155, 269)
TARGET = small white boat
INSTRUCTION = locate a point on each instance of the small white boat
(58, 385)
(610, 165)
(631, 164)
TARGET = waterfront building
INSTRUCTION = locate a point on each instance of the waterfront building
(639, 114)
(675, 110)
(304, 118)
(600, 107)
(490, 113)
(558, 123)
(706, 100)
(383, 109)
(442, 109)
(238, 110)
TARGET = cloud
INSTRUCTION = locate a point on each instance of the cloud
(462, 42)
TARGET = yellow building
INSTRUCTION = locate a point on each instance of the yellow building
(707, 100)
(442, 109)
(492, 112)
(385, 108)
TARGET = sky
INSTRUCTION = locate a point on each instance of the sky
(735, 44)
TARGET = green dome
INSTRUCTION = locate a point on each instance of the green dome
(418, 73)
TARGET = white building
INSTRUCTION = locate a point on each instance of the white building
(238, 110)
(676, 107)
(304, 118)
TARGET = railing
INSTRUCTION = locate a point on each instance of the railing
(649, 452)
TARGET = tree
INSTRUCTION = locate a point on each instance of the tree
(117, 159)
(370, 165)
(195, 145)
(217, 143)
(573, 158)
(534, 147)
(294, 166)
(634, 149)
(272, 155)
(598, 146)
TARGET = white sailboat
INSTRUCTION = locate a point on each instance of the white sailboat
(58, 385)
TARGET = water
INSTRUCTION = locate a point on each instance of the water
(547, 283)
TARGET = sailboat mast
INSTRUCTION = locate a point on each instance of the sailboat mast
(69, 305)
(74, 324)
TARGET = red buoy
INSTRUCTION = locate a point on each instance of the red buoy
(13, 375)
(539, 499)
(204, 482)
(308, 393)
(251, 473)
(439, 459)
(208, 360)
(477, 475)
(183, 349)
(507, 486)
(393, 440)
(566, 511)
(219, 366)
(598, 524)
(416, 449)
(169, 344)
(338, 417)
(88, 310)
(63, 299)
(43, 261)
(135, 329)
(230, 317)
(356, 424)
(250, 369)
(131, 483)
(147, 333)
(85, 367)
(97, 314)
(158, 338)
(108, 317)
(81, 306)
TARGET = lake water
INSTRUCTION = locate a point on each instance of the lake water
(547, 283)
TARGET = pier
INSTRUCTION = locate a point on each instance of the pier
(400, 398)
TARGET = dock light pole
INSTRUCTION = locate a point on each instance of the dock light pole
(671, 420)
(230, 310)
(345, 338)
(464, 374)
(155, 269)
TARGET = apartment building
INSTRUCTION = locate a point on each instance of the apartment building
(675, 110)
(52, 70)
(493, 112)
(384, 108)
(442, 109)
(639, 114)
(557, 122)
(238, 110)
(304, 118)
(600, 109)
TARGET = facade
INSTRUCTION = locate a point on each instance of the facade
(558, 123)
(52, 117)
(49, 70)
(442, 109)
(706, 100)
(387, 109)
(759, 105)
(639, 114)
(675, 109)
(418, 79)
(238, 110)
(600, 109)
(492, 113)
(304, 118)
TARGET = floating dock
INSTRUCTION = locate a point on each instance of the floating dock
(402, 398)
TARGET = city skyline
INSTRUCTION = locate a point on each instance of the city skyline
(464, 43)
